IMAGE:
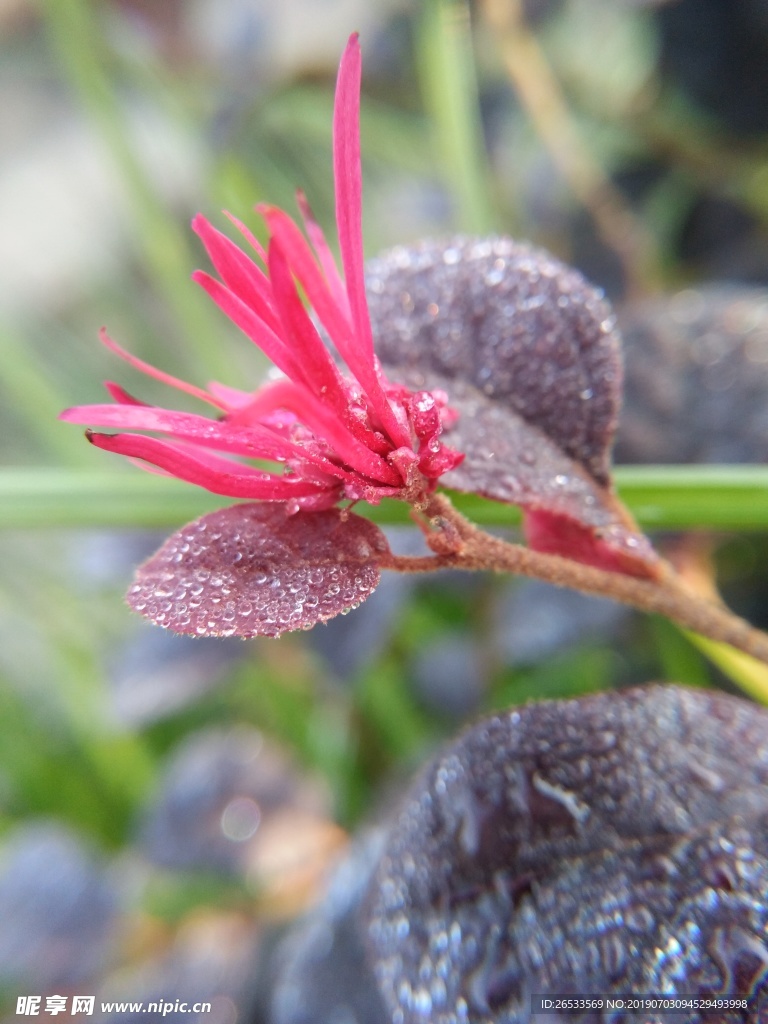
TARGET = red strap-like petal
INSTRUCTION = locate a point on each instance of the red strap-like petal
(241, 435)
(253, 326)
(302, 333)
(324, 255)
(234, 481)
(334, 317)
(251, 442)
(348, 181)
(323, 422)
(238, 272)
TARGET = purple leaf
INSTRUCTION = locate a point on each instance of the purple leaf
(528, 354)
(254, 570)
(616, 843)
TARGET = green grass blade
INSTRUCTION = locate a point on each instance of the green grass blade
(449, 85)
(164, 244)
(748, 673)
(661, 497)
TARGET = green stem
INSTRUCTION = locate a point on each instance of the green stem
(660, 497)
(32, 398)
(449, 86)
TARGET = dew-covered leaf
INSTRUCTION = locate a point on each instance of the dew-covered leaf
(696, 385)
(528, 354)
(616, 843)
(519, 325)
(253, 570)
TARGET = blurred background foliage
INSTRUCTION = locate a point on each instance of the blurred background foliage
(168, 806)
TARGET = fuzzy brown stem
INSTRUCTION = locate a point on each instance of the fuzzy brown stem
(412, 563)
(668, 596)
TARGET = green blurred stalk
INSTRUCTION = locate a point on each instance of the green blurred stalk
(661, 498)
(34, 400)
(60, 497)
(449, 87)
(748, 673)
(74, 33)
(689, 497)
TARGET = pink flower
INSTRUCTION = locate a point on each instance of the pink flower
(337, 436)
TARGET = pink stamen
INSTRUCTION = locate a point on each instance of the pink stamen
(248, 235)
(120, 395)
(152, 371)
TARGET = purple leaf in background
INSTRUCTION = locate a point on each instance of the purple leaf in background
(692, 360)
(220, 774)
(528, 354)
(319, 973)
(59, 910)
(611, 844)
(254, 570)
